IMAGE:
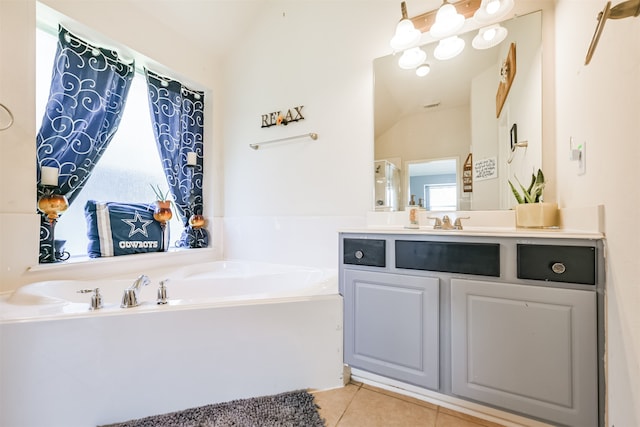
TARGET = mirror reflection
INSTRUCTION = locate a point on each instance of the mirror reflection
(432, 130)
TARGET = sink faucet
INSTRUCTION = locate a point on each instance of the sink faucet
(130, 296)
(442, 224)
(445, 223)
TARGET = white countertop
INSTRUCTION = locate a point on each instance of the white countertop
(575, 223)
(556, 233)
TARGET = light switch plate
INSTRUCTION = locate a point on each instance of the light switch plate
(582, 160)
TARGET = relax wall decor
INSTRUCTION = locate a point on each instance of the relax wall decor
(276, 118)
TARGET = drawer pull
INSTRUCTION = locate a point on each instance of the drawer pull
(359, 254)
(558, 268)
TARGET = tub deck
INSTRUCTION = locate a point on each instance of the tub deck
(90, 368)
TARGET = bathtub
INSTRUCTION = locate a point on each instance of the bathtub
(230, 330)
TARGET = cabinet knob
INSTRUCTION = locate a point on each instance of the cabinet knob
(359, 254)
(558, 267)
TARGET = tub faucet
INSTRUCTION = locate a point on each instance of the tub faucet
(130, 296)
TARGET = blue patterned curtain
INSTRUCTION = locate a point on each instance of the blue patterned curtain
(89, 87)
(177, 113)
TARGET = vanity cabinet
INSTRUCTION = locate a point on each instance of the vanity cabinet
(510, 322)
(530, 349)
(391, 325)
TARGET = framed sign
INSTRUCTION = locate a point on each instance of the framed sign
(485, 169)
(507, 74)
(467, 175)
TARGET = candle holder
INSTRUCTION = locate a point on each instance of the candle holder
(162, 214)
(51, 204)
(196, 220)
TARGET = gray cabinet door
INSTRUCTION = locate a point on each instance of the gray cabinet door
(391, 325)
(528, 349)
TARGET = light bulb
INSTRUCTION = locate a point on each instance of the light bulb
(448, 21)
(423, 70)
(489, 37)
(449, 48)
(489, 34)
(406, 36)
(493, 6)
(492, 10)
(411, 58)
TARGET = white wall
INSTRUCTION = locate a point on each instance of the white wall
(523, 105)
(484, 134)
(600, 104)
(285, 202)
(428, 135)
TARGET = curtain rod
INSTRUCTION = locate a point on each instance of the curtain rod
(311, 135)
(92, 47)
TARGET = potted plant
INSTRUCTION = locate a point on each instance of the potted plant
(162, 212)
(531, 210)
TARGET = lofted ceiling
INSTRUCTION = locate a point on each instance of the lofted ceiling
(400, 93)
(214, 26)
(219, 24)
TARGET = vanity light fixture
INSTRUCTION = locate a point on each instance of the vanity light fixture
(492, 10)
(423, 70)
(448, 21)
(411, 58)
(445, 23)
(449, 48)
(489, 37)
(406, 35)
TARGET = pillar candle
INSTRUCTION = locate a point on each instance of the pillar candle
(49, 176)
(192, 158)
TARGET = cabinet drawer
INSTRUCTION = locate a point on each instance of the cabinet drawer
(369, 252)
(573, 264)
(467, 258)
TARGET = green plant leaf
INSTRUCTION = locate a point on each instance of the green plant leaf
(532, 194)
(531, 184)
(515, 193)
(158, 192)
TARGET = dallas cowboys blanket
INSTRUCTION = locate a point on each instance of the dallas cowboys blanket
(121, 228)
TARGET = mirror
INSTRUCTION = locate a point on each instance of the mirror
(449, 117)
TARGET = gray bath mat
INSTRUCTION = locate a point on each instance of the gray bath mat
(291, 409)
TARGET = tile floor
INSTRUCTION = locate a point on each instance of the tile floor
(362, 405)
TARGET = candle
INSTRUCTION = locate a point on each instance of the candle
(192, 158)
(49, 176)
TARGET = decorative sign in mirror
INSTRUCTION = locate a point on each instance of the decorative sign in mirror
(451, 112)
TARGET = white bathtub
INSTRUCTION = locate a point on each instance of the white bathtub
(230, 330)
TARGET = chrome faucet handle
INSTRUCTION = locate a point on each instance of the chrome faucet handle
(96, 300)
(162, 292)
(446, 223)
(437, 224)
(457, 224)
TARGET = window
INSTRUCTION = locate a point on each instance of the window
(440, 197)
(129, 165)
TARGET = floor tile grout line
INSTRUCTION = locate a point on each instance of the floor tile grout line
(435, 420)
(359, 387)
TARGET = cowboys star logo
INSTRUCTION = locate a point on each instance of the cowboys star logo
(138, 225)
